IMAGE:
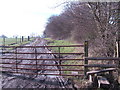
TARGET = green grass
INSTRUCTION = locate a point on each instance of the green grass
(66, 50)
(60, 43)
(9, 41)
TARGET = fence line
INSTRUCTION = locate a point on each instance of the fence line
(59, 59)
(16, 41)
(87, 65)
(86, 59)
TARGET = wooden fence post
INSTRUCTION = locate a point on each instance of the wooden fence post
(16, 39)
(28, 38)
(86, 55)
(3, 41)
(118, 42)
(118, 55)
(3, 44)
(118, 48)
(22, 38)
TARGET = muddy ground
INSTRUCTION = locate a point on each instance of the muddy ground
(13, 82)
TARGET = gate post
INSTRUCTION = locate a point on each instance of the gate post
(118, 33)
(16, 59)
(118, 48)
(3, 41)
(22, 38)
(3, 45)
(118, 55)
(85, 58)
(16, 39)
(28, 38)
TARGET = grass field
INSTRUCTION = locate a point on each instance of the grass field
(67, 50)
(61, 42)
(13, 41)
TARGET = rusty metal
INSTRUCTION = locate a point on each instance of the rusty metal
(42, 69)
(41, 59)
(43, 64)
(36, 57)
(17, 68)
(44, 53)
(59, 59)
(42, 46)
(56, 59)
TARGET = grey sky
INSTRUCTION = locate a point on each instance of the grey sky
(23, 17)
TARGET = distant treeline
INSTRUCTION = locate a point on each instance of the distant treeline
(96, 22)
(3, 36)
(76, 23)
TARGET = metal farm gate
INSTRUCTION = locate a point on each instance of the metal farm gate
(13, 60)
(40, 60)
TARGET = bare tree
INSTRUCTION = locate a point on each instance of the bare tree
(82, 18)
(76, 23)
(93, 21)
(105, 14)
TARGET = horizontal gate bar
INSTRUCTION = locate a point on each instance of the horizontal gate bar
(43, 69)
(42, 46)
(100, 65)
(42, 53)
(41, 64)
(40, 59)
(45, 73)
(102, 58)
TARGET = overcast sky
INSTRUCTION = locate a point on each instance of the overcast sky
(23, 17)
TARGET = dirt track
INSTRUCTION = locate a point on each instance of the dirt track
(13, 82)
